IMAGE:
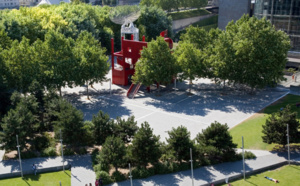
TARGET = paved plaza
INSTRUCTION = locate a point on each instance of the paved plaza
(174, 107)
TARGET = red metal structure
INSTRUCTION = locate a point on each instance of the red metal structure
(127, 58)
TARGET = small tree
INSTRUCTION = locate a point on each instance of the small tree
(275, 128)
(125, 129)
(103, 127)
(217, 142)
(145, 146)
(156, 64)
(113, 151)
(70, 121)
(179, 141)
(21, 121)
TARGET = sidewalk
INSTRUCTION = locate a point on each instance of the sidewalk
(81, 171)
(215, 173)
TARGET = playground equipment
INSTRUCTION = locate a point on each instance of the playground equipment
(130, 53)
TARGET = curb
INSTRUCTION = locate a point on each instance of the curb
(249, 173)
(27, 172)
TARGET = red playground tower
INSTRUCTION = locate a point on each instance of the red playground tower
(127, 58)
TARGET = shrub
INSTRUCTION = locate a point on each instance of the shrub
(50, 151)
(101, 167)
(28, 155)
(41, 142)
(141, 172)
(105, 177)
(81, 151)
(68, 151)
(118, 176)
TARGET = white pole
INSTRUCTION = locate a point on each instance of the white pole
(130, 174)
(110, 86)
(243, 157)
(62, 151)
(288, 141)
(175, 83)
(19, 156)
(192, 167)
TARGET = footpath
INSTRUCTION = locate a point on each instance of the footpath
(82, 172)
(81, 168)
(217, 173)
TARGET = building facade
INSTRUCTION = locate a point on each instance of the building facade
(232, 10)
(9, 4)
(284, 15)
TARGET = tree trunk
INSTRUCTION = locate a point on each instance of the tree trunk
(59, 89)
(190, 85)
(224, 84)
(87, 90)
(116, 167)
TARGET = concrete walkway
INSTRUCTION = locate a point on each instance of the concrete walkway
(81, 172)
(217, 173)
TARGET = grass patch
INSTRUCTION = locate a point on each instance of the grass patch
(52, 178)
(286, 175)
(188, 14)
(251, 129)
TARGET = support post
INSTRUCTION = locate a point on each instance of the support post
(192, 166)
(62, 150)
(130, 176)
(288, 142)
(110, 86)
(175, 83)
(243, 157)
(19, 156)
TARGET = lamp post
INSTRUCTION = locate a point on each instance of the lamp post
(19, 156)
(288, 142)
(62, 150)
(192, 167)
(130, 176)
(243, 157)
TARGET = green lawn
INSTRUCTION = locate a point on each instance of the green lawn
(188, 14)
(251, 129)
(286, 175)
(46, 179)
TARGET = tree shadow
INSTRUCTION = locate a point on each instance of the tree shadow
(32, 177)
(111, 104)
(211, 97)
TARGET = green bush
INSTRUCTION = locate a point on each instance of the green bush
(50, 151)
(248, 155)
(105, 177)
(94, 156)
(162, 168)
(118, 176)
(81, 151)
(68, 152)
(141, 172)
(40, 143)
(101, 167)
(28, 155)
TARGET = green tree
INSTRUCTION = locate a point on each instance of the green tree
(216, 142)
(257, 52)
(92, 61)
(145, 146)
(153, 21)
(69, 120)
(57, 61)
(190, 62)
(180, 143)
(113, 151)
(197, 3)
(103, 127)
(21, 65)
(156, 64)
(275, 128)
(21, 121)
(125, 129)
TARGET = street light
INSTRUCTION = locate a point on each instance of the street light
(192, 167)
(62, 150)
(288, 142)
(130, 174)
(19, 156)
(243, 157)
